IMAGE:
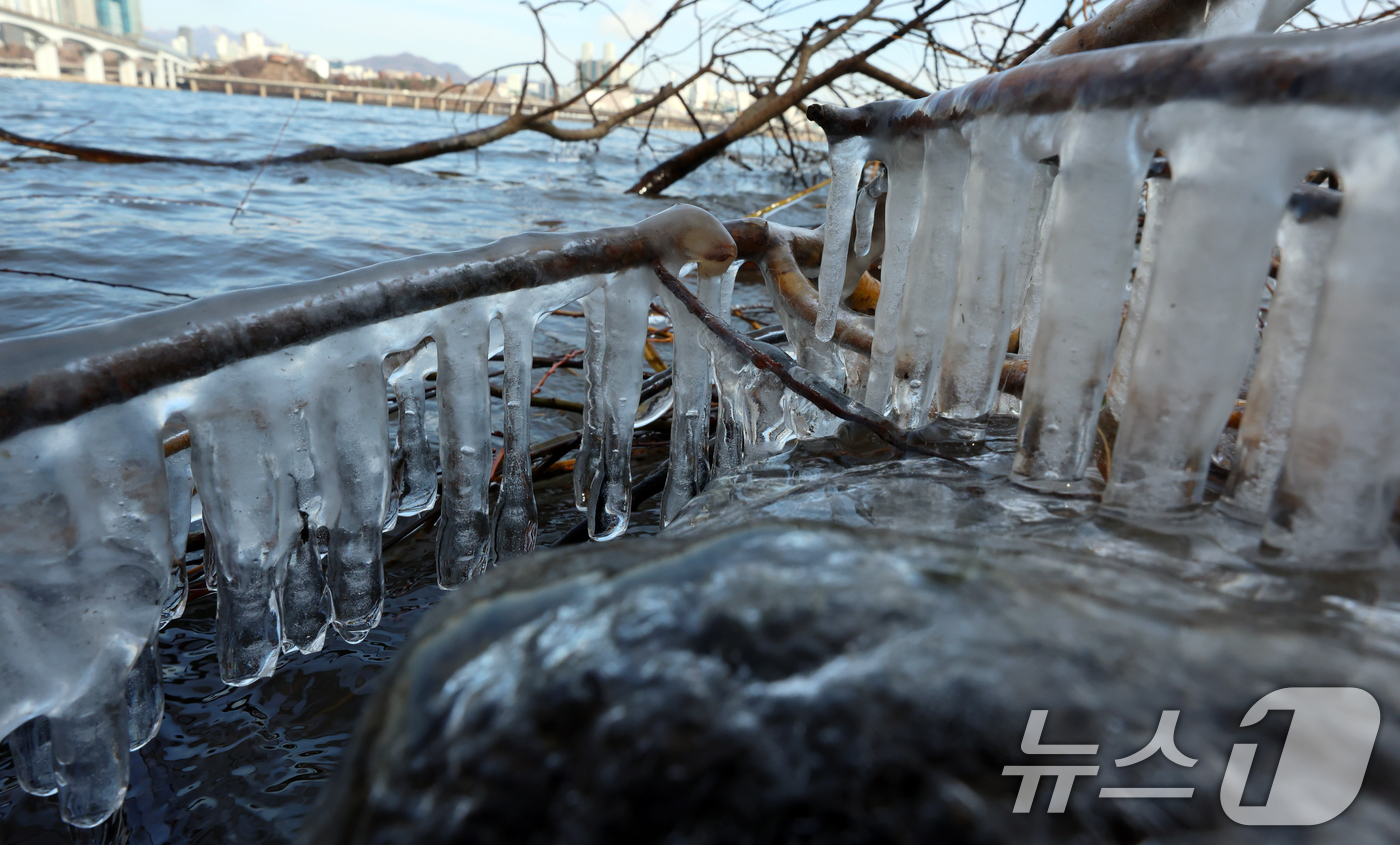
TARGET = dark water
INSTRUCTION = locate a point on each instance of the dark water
(244, 765)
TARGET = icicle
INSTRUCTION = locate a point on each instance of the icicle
(928, 289)
(591, 442)
(628, 297)
(419, 487)
(145, 698)
(847, 158)
(716, 293)
(857, 367)
(905, 176)
(1158, 189)
(689, 469)
(514, 520)
(800, 417)
(32, 752)
(1341, 476)
(1002, 208)
(180, 482)
(1305, 241)
(249, 512)
(464, 434)
(87, 573)
(305, 599)
(1028, 318)
(1199, 331)
(90, 754)
(866, 203)
(1089, 259)
(350, 449)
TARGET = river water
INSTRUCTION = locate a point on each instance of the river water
(243, 765)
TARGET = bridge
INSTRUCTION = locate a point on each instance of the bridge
(138, 62)
(448, 99)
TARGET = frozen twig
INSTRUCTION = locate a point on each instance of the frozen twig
(275, 144)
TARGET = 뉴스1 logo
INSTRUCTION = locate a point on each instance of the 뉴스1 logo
(1319, 774)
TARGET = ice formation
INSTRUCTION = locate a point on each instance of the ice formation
(282, 392)
(1028, 184)
(1009, 203)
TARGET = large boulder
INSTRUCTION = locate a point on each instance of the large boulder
(802, 682)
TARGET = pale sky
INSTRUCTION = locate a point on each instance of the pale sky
(482, 34)
(476, 34)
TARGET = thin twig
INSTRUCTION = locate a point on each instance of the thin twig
(95, 282)
(275, 144)
(553, 368)
(804, 383)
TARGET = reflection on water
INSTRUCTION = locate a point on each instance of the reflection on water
(243, 765)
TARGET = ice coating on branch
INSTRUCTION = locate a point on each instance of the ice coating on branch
(1241, 121)
(847, 158)
(1305, 240)
(282, 391)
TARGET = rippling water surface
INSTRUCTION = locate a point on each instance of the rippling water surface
(243, 765)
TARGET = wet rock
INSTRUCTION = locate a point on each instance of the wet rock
(797, 682)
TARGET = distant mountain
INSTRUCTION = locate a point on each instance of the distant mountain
(204, 38)
(409, 63)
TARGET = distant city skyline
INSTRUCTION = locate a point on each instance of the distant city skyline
(476, 35)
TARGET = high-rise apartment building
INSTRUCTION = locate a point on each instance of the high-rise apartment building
(119, 17)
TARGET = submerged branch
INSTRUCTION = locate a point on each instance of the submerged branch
(771, 359)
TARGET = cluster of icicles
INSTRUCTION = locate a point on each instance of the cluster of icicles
(1028, 217)
(298, 473)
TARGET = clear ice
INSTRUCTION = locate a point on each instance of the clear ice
(987, 217)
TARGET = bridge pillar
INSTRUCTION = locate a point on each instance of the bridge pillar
(46, 59)
(296, 93)
(416, 101)
(330, 95)
(162, 76)
(126, 71)
(359, 98)
(93, 68)
(144, 78)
